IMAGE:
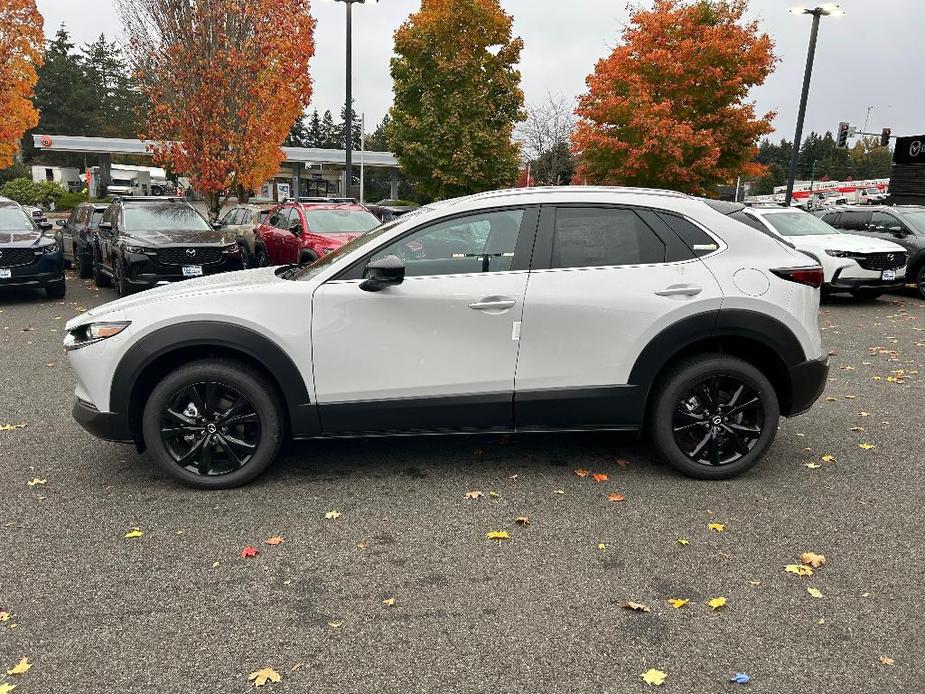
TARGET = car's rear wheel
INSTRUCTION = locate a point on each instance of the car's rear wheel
(714, 416)
(213, 424)
(246, 260)
(260, 258)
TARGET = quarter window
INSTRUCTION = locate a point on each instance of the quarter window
(482, 242)
(593, 237)
(699, 241)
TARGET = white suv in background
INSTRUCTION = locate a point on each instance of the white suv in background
(522, 310)
(862, 267)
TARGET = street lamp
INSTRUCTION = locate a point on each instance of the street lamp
(827, 10)
(348, 124)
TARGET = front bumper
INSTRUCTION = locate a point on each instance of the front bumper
(866, 281)
(807, 381)
(109, 426)
(143, 273)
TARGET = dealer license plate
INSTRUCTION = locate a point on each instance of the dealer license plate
(192, 270)
(888, 275)
(5, 273)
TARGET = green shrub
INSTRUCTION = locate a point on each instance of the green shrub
(27, 192)
(69, 201)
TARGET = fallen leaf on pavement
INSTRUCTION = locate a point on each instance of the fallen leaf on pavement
(857, 429)
(6, 687)
(614, 496)
(475, 494)
(866, 446)
(813, 466)
(36, 481)
(654, 677)
(20, 668)
(636, 606)
(559, 491)
(5, 616)
(601, 546)
(815, 592)
(678, 603)
(581, 472)
(798, 569)
(275, 540)
(684, 542)
(622, 462)
(264, 675)
(716, 603)
(522, 520)
(498, 535)
(599, 477)
(494, 495)
(813, 559)
(249, 552)
(331, 515)
(133, 533)
(886, 660)
(864, 414)
(827, 458)
(389, 602)
(12, 427)
(335, 625)
(718, 527)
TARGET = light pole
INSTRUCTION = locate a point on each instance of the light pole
(348, 123)
(830, 9)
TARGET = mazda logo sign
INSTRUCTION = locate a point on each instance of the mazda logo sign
(915, 148)
(890, 256)
(190, 252)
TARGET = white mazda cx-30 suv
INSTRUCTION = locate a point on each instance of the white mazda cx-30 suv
(573, 308)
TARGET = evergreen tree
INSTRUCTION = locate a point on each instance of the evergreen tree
(356, 129)
(118, 103)
(63, 93)
(314, 136)
(329, 132)
(298, 136)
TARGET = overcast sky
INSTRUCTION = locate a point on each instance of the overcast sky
(872, 56)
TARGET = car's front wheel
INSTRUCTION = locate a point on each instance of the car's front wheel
(920, 282)
(714, 416)
(260, 259)
(213, 424)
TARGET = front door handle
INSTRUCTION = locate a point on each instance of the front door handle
(492, 304)
(680, 290)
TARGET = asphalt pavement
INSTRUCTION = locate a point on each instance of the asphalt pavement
(179, 610)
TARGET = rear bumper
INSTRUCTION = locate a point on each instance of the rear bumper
(807, 381)
(109, 426)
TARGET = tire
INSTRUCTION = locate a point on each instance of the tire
(100, 278)
(260, 258)
(123, 288)
(84, 264)
(246, 260)
(920, 281)
(56, 291)
(307, 258)
(261, 435)
(679, 415)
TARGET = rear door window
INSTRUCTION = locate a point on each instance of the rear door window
(599, 237)
(854, 221)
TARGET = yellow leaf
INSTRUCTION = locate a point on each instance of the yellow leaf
(581, 472)
(864, 414)
(5, 616)
(331, 515)
(684, 542)
(388, 602)
(20, 668)
(813, 559)
(718, 527)
(35, 480)
(798, 569)
(559, 491)
(858, 429)
(827, 458)
(264, 675)
(522, 520)
(812, 466)
(6, 688)
(866, 446)
(273, 541)
(678, 603)
(636, 606)
(475, 494)
(716, 603)
(815, 592)
(335, 625)
(498, 535)
(601, 546)
(133, 533)
(494, 495)
(886, 660)
(831, 399)
(654, 677)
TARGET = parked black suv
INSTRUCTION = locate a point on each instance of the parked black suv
(145, 241)
(902, 224)
(80, 229)
(29, 256)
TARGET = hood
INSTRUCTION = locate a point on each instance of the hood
(341, 238)
(242, 280)
(845, 242)
(22, 239)
(164, 238)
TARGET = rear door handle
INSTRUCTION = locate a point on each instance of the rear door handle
(492, 304)
(680, 290)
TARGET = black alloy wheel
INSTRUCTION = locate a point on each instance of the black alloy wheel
(718, 420)
(210, 428)
(261, 258)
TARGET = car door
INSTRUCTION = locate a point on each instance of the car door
(605, 281)
(438, 351)
(106, 235)
(887, 226)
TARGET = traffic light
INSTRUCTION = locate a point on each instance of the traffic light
(885, 137)
(842, 140)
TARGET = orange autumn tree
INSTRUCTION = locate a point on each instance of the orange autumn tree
(22, 44)
(225, 81)
(667, 107)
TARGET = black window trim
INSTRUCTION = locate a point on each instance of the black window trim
(523, 251)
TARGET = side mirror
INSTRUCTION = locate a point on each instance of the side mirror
(295, 226)
(217, 225)
(60, 222)
(382, 273)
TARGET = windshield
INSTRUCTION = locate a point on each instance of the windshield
(14, 219)
(798, 224)
(340, 221)
(163, 217)
(306, 272)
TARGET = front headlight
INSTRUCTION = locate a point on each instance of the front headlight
(135, 249)
(50, 248)
(230, 248)
(88, 333)
(841, 254)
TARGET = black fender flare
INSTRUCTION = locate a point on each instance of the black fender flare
(303, 416)
(717, 324)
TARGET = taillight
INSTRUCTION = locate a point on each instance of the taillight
(812, 276)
